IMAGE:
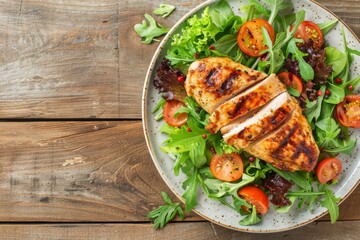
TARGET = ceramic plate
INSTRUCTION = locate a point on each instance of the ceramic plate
(213, 210)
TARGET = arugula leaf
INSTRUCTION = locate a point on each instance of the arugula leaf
(220, 188)
(313, 109)
(286, 209)
(275, 6)
(158, 106)
(327, 26)
(326, 135)
(306, 71)
(330, 202)
(149, 32)
(180, 161)
(354, 82)
(337, 94)
(295, 177)
(250, 219)
(293, 91)
(164, 10)
(257, 169)
(299, 194)
(326, 110)
(190, 195)
(227, 46)
(255, 9)
(345, 74)
(220, 13)
(335, 58)
(164, 214)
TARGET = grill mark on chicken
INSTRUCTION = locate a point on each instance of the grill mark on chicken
(277, 152)
(210, 78)
(227, 84)
(268, 124)
(243, 105)
(302, 147)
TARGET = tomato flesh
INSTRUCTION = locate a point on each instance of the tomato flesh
(227, 167)
(309, 30)
(250, 38)
(170, 109)
(328, 169)
(348, 111)
(291, 80)
(255, 196)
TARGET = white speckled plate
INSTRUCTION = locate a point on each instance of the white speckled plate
(212, 210)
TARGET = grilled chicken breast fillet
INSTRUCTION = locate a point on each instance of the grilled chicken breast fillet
(261, 123)
(247, 101)
(291, 147)
(212, 81)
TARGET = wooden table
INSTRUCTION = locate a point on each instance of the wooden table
(73, 159)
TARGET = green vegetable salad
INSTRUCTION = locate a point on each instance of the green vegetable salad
(324, 73)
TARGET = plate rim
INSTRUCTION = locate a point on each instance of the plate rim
(146, 134)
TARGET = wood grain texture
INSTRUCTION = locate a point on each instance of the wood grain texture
(180, 231)
(59, 59)
(85, 171)
(76, 171)
(82, 59)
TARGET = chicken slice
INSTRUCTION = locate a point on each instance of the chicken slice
(249, 100)
(214, 80)
(291, 147)
(263, 122)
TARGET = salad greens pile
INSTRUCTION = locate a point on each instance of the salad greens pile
(214, 33)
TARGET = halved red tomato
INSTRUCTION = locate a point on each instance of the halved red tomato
(309, 30)
(170, 109)
(255, 196)
(348, 111)
(251, 39)
(227, 167)
(291, 80)
(328, 169)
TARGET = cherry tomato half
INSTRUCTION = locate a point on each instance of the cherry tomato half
(348, 111)
(227, 167)
(291, 80)
(255, 196)
(251, 39)
(309, 30)
(170, 109)
(328, 169)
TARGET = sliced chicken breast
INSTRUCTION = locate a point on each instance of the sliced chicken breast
(214, 80)
(261, 123)
(291, 147)
(246, 102)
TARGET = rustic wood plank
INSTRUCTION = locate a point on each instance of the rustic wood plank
(85, 171)
(59, 59)
(134, 56)
(198, 231)
(76, 171)
(82, 59)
